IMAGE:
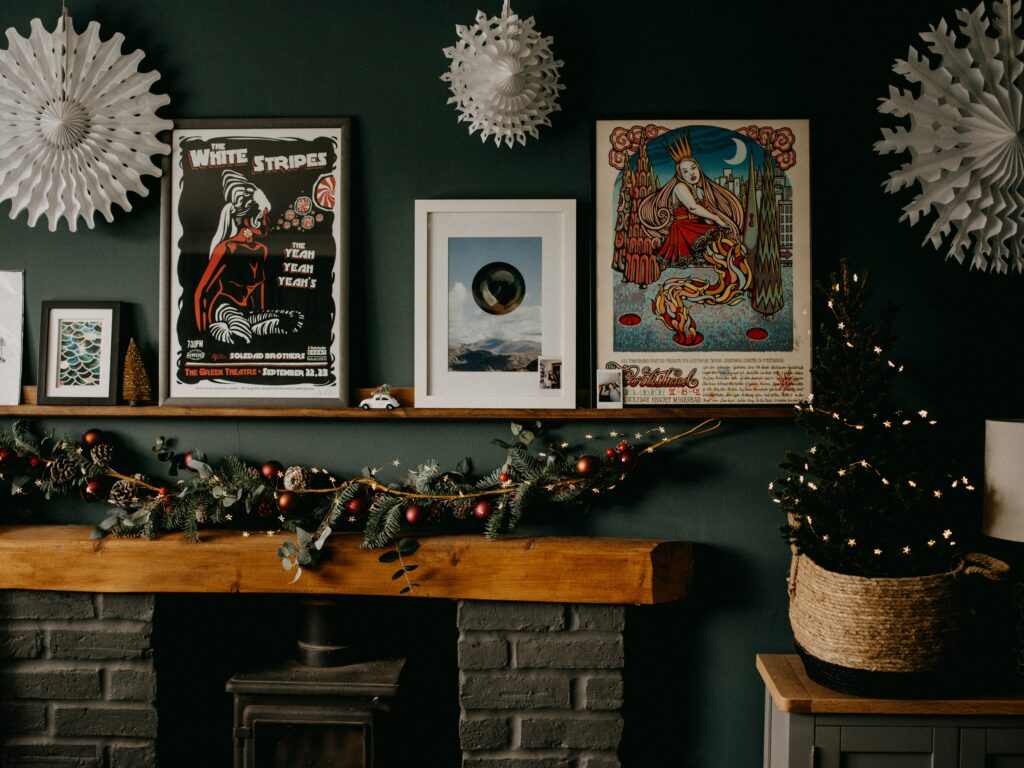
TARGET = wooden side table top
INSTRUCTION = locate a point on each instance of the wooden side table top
(792, 691)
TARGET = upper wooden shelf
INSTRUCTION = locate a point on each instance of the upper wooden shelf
(793, 691)
(545, 569)
(406, 397)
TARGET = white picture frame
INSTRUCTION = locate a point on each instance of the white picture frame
(475, 241)
(12, 329)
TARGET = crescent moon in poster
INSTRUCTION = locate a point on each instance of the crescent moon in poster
(741, 153)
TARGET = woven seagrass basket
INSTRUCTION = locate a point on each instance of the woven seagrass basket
(883, 636)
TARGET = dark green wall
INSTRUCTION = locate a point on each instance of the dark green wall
(380, 63)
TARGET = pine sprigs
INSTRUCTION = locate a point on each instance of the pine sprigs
(236, 493)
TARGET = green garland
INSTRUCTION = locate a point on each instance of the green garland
(310, 501)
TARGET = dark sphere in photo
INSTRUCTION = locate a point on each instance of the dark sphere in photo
(498, 288)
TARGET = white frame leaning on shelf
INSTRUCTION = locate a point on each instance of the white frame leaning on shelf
(106, 315)
(513, 222)
(12, 331)
(290, 323)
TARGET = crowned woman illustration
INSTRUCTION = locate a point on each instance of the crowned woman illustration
(683, 211)
(230, 300)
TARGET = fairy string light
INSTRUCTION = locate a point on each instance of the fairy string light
(867, 497)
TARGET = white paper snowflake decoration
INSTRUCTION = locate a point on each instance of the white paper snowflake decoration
(77, 124)
(964, 140)
(504, 78)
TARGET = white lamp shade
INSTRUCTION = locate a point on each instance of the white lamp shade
(1004, 480)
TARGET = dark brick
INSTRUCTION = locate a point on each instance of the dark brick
(29, 604)
(600, 618)
(571, 733)
(601, 761)
(132, 756)
(481, 690)
(570, 652)
(603, 693)
(136, 607)
(22, 718)
(104, 721)
(100, 644)
(517, 762)
(479, 733)
(535, 617)
(482, 653)
(20, 644)
(48, 755)
(131, 684)
(31, 683)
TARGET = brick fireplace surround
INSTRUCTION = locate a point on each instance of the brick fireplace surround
(540, 682)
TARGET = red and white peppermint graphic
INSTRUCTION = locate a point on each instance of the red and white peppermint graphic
(324, 191)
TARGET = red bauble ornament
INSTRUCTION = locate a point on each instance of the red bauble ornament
(627, 459)
(482, 509)
(503, 477)
(622, 446)
(414, 514)
(92, 437)
(609, 452)
(287, 501)
(355, 506)
(164, 492)
(93, 489)
(586, 466)
(34, 462)
(5, 454)
(271, 471)
(265, 509)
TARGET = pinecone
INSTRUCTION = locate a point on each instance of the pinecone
(122, 493)
(102, 454)
(202, 515)
(296, 479)
(63, 469)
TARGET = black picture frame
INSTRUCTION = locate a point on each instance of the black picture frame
(48, 384)
(227, 391)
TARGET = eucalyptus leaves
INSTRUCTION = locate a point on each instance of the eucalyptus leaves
(237, 493)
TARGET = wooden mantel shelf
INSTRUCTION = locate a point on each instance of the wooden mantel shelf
(405, 395)
(542, 569)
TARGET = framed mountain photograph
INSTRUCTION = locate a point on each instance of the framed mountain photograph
(495, 303)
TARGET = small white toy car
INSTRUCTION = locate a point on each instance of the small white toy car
(379, 401)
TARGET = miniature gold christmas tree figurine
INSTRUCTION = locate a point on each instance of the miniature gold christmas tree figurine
(135, 381)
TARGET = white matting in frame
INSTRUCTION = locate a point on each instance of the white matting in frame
(12, 328)
(495, 294)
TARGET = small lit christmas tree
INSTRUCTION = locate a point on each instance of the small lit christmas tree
(135, 388)
(870, 496)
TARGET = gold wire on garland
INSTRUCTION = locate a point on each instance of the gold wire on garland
(311, 502)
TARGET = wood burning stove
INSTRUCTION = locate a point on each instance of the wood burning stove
(319, 712)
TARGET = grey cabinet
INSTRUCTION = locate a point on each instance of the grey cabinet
(807, 726)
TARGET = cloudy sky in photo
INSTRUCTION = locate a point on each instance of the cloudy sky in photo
(467, 323)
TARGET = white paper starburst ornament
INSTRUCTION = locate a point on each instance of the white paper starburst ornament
(964, 140)
(77, 124)
(504, 78)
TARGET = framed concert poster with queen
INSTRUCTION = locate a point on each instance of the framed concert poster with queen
(255, 263)
(703, 251)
